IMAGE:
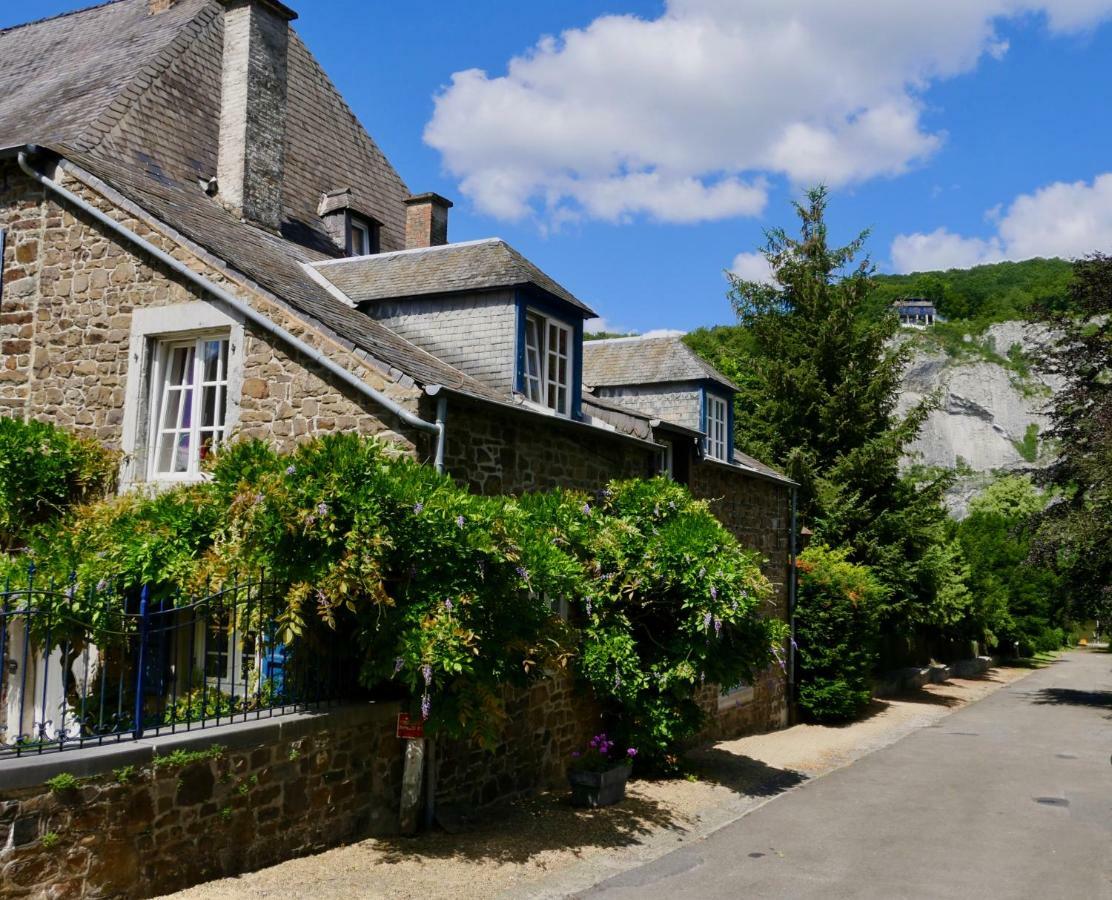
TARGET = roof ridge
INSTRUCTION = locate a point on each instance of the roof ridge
(126, 98)
(410, 252)
(62, 15)
(629, 338)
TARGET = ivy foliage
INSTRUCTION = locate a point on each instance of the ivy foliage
(443, 597)
(43, 471)
(838, 614)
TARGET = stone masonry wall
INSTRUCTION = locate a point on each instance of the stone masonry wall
(513, 453)
(145, 828)
(65, 318)
(758, 512)
(678, 403)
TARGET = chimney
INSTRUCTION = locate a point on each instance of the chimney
(253, 109)
(160, 6)
(426, 221)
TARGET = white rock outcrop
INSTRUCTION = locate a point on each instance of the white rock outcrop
(985, 409)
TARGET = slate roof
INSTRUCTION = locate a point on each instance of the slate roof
(119, 83)
(475, 265)
(645, 360)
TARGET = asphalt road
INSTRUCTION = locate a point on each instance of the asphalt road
(1010, 798)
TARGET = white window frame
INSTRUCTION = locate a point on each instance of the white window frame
(161, 390)
(359, 227)
(540, 376)
(718, 426)
(235, 654)
(149, 325)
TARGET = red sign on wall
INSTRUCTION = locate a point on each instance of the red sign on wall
(410, 728)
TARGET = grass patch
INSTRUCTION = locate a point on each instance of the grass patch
(180, 758)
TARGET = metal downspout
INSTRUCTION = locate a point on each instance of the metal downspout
(228, 299)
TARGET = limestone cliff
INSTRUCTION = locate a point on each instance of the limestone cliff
(992, 406)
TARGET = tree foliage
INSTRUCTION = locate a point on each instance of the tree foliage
(999, 292)
(1076, 530)
(819, 376)
(839, 613)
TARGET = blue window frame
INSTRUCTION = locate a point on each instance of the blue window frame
(549, 355)
(717, 423)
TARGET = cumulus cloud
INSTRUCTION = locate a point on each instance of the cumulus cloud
(1066, 219)
(752, 267)
(683, 117)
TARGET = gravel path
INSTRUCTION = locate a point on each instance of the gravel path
(542, 847)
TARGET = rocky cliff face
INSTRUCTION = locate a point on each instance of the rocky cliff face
(992, 411)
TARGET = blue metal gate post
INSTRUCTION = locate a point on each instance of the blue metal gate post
(142, 664)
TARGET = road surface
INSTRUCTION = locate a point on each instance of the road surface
(1008, 798)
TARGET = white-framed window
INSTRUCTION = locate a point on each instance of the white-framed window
(188, 404)
(361, 238)
(718, 423)
(225, 653)
(549, 362)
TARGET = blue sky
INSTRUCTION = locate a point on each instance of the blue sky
(636, 154)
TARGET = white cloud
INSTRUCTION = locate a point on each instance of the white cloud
(680, 118)
(663, 332)
(1062, 219)
(752, 267)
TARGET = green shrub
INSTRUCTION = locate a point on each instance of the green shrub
(44, 471)
(836, 633)
(446, 596)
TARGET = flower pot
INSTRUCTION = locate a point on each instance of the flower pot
(591, 789)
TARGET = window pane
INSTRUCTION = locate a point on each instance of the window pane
(209, 401)
(212, 359)
(181, 453)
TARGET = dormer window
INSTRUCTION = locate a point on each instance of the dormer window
(549, 362)
(361, 237)
(717, 412)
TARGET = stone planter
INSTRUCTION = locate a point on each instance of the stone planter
(591, 789)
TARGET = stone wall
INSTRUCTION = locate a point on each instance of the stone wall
(512, 452)
(65, 319)
(144, 822)
(758, 512)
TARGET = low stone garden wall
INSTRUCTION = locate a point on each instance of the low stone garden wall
(148, 817)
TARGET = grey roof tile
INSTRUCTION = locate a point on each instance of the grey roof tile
(645, 360)
(475, 265)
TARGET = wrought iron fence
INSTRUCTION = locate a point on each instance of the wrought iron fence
(84, 666)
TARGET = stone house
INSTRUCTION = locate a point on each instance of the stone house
(200, 241)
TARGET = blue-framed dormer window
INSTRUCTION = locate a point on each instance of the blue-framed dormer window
(549, 358)
(718, 425)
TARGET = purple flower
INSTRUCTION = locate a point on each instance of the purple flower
(418, 508)
(460, 521)
(102, 585)
(310, 519)
(586, 509)
(656, 510)
(322, 509)
(733, 606)
(71, 591)
(631, 752)
(426, 671)
(707, 619)
(713, 592)
(588, 606)
(448, 605)
(702, 572)
(795, 646)
(671, 505)
(398, 663)
(291, 470)
(259, 500)
(617, 681)
(522, 572)
(426, 706)
(594, 743)
(717, 625)
(575, 754)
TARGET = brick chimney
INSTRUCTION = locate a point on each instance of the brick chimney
(252, 149)
(426, 221)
